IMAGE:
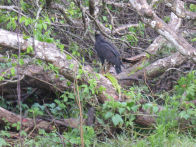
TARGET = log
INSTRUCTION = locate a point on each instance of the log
(51, 54)
(12, 118)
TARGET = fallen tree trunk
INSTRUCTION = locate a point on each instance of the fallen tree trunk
(30, 123)
(37, 77)
(50, 53)
(26, 122)
(156, 68)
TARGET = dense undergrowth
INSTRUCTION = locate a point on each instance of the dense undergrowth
(114, 124)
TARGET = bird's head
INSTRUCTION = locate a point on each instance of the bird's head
(97, 35)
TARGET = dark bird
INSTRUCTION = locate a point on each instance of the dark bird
(107, 51)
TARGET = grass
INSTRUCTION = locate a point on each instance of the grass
(172, 140)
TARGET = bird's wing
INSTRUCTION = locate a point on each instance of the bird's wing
(110, 47)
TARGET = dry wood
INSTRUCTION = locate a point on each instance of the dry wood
(12, 118)
(163, 29)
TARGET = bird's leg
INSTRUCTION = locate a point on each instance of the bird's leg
(107, 67)
(102, 70)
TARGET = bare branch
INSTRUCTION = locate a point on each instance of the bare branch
(65, 14)
(154, 21)
(190, 1)
(12, 8)
(124, 27)
(174, 23)
(177, 6)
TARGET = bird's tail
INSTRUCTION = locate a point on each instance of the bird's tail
(118, 69)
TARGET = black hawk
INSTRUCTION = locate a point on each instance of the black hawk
(107, 51)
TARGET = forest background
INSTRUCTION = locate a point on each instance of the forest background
(52, 90)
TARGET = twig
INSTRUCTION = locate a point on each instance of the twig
(13, 8)
(76, 91)
(18, 76)
(147, 83)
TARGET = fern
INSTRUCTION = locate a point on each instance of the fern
(114, 82)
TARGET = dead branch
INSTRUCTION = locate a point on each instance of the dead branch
(152, 49)
(12, 118)
(174, 23)
(159, 66)
(13, 8)
(162, 28)
(65, 14)
(190, 1)
(177, 6)
(124, 27)
(116, 4)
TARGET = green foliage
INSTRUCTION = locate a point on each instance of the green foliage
(132, 38)
(111, 114)
(71, 138)
(116, 112)
(166, 19)
(36, 110)
(135, 32)
(192, 7)
(186, 88)
(74, 48)
(74, 136)
(3, 142)
(193, 40)
(169, 140)
(29, 49)
(74, 11)
(114, 82)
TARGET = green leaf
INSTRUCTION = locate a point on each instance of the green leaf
(1, 78)
(184, 115)
(193, 7)
(100, 121)
(135, 108)
(29, 49)
(193, 40)
(27, 22)
(114, 82)
(25, 36)
(104, 18)
(155, 109)
(44, 26)
(3, 142)
(39, 26)
(13, 71)
(130, 104)
(121, 110)
(71, 66)
(22, 19)
(117, 119)
(21, 61)
(108, 115)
